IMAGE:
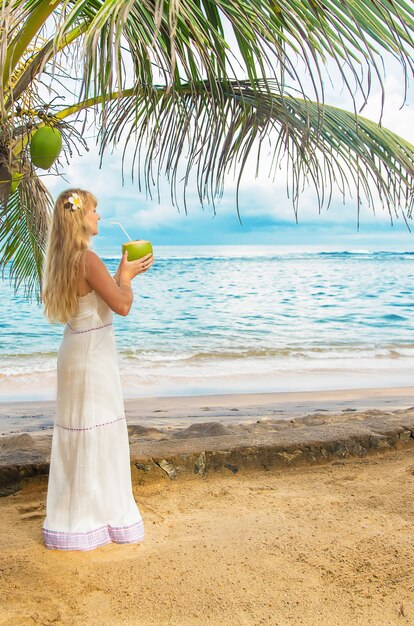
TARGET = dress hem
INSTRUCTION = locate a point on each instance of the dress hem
(89, 540)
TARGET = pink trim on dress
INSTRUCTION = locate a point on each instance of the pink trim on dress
(89, 540)
(75, 331)
(94, 426)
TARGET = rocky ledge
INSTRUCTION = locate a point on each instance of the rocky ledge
(207, 447)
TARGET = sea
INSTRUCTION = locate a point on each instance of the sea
(237, 319)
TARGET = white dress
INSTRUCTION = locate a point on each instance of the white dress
(89, 496)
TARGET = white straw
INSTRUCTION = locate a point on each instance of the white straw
(119, 224)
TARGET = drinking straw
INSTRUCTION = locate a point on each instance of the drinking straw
(119, 224)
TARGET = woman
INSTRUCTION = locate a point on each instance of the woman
(89, 498)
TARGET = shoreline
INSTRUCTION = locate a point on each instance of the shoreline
(180, 411)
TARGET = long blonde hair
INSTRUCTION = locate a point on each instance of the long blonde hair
(68, 237)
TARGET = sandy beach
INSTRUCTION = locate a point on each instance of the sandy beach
(319, 546)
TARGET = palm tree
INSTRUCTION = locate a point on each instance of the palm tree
(198, 85)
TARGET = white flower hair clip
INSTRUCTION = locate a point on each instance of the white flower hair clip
(74, 202)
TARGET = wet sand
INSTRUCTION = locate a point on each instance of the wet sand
(324, 545)
(181, 411)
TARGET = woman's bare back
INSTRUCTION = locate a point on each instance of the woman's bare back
(83, 287)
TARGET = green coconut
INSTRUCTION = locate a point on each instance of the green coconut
(137, 249)
(45, 147)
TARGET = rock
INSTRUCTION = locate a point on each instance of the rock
(347, 448)
(290, 456)
(8, 490)
(24, 441)
(405, 435)
(206, 429)
(313, 420)
(143, 432)
(215, 446)
(167, 467)
(142, 466)
(18, 464)
(200, 464)
(379, 441)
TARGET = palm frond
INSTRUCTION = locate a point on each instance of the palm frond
(184, 45)
(19, 25)
(188, 41)
(35, 63)
(23, 231)
(327, 147)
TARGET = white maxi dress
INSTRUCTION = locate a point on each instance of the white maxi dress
(89, 497)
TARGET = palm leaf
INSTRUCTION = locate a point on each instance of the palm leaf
(321, 145)
(23, 230)
(175, 42)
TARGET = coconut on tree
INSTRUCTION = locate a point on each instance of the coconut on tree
(201, 79)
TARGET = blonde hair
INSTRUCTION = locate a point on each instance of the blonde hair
(68, 237)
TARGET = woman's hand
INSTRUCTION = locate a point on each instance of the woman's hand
(130, 269)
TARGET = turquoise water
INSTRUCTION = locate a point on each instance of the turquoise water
(228, 319)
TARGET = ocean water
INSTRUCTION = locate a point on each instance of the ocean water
(231, 319)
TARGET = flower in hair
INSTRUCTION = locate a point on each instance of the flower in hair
(74, 202)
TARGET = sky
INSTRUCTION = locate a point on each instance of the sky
(267, 215)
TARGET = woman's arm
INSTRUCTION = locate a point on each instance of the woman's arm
(116, 291)
(116, 277)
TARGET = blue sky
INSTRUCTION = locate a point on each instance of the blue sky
(266, 211)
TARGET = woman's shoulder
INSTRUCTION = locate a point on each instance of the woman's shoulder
(90, 254)
(94, 267)
(91, 259)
